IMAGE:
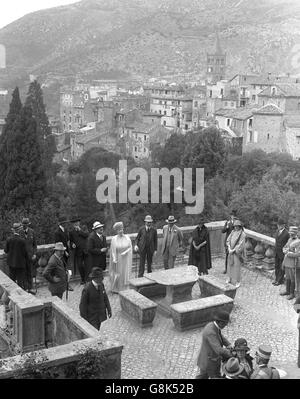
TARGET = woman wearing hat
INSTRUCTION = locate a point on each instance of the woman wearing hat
(235, 244)
(200, 254)
(120, 259)
(242, 354)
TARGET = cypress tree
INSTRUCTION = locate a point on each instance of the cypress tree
(14, 112)
(46, 140)
(25, 182)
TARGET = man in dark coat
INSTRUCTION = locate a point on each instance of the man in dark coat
(215, 347)
(146, 245)
(17, 256)
(97, 247)
(62, 235)
(227, 229)
(29, 237)
(56, 271)
(281, 238)
(200, 254)
(78, 242)
(94, 304)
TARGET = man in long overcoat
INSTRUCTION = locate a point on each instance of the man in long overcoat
(146, 245)
(215, 347)
(97, 247)
(281, 238)
(172, 240)
(29, 236)
(94, 304)
(78, 242)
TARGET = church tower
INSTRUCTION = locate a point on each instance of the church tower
(216, 63)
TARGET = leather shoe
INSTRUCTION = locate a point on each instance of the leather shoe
(283, 293)
(31, 292)
(225, 271)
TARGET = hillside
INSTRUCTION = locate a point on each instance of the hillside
(151, 37)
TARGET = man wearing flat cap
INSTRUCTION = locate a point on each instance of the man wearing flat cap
(56, 272)
(29, 236)
(94, 304)
(215, 347)
(17, 256)
(146, 245)
(97, 247)
(292, 253)
(172, 240)
(263, 371)
(281, 238)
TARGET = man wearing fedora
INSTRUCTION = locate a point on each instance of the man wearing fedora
(56, 272)
(146, 245)
(292, 252)
(94, 304)
(263, 371)
(172, 239)
(281, 238)
(78, 243)
(17, 256)
(233, 369)
(97, 247)
(28, 234)
(215, 347)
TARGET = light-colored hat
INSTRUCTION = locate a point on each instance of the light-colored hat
(264, 351)
(148, 218)
(17, 226)
(97, 225)
(233, 367)
(59, 246)
(171, 219)
(237, 223)
(118, 225)
(293, 229)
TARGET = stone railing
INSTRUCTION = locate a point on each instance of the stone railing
(259, 248)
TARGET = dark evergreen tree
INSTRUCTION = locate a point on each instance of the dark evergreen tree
(35, 100)
(14, 112)
(25, 182)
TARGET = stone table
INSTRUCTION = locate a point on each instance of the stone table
(178, 282)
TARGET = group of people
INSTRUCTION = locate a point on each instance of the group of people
(219, 359)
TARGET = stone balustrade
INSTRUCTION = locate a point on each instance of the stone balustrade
(259, 249)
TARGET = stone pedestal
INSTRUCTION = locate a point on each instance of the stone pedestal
(175, 294)
(269, 260)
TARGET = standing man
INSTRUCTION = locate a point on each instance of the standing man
(29, 237)
(17, 256)
(78, 242)
(297, 309)
(146, 245)
(56, 271)
(263, 371)
(227, 229)
(291, 251)
(97, 247)
(94, 304)
(62, 235)
(172, 239)
(281, 238)
(215, 347)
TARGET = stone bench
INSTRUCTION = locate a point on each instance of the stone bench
(210, 285)
(198, 312)
(138, 307)
(147, 287)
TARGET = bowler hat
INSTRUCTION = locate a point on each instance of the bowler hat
(233, 367)
(96, 272)
(281, 222)
(241, 343)
(17, 226)
(171, 219)
(97, 225)
(148, 218)
(59, 246)
(264, 351)
(25, 221)
(222, 316)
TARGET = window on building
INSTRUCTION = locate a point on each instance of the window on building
(226, 103)
(273, 91)
(178, 124)
(232, 104)
(222, 92)
(268, 136)
(209, 69)
(145, 137)
(135, 149)
(278, 103)
(228, 122)
(195, 124)
(217, 61)
(144, 149)
(70, 119)
(263, 102)
(253, 97)
(165, 112)
(195, 103)
(250, 122)
(210, 93)
(159, 111)
(165, 123)
(186, 127)
(70, 127)
(250, 137)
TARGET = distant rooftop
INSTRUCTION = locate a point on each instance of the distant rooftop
(285, 90)
(239, 113)
(269, 109)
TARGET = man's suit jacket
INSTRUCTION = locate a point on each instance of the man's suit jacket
(143, 238)
(79, 238)
(280, 241)
(30, 240)
(94, 304)
(176, 239)
(17, 255)
(57, 268)
(62, 236)
(212, 351)
(94, 246)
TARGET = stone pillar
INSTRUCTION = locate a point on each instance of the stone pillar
(248, 248)
(269, 260)
(259, 252)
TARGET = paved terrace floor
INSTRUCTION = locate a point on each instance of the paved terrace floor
(260, 315)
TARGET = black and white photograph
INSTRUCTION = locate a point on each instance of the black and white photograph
(150, 192)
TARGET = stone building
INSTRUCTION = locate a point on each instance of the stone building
(216, 63)
(237, 122)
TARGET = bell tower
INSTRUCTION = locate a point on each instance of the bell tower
(216, 63)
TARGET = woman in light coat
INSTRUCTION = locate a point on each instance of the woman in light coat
(235, 244)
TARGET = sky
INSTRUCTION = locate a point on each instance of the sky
(15, 9)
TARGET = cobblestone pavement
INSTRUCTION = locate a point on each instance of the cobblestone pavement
(259, 314)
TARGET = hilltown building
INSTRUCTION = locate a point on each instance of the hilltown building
(216, 64)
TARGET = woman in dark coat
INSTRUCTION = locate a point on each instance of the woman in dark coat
(200, 254)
